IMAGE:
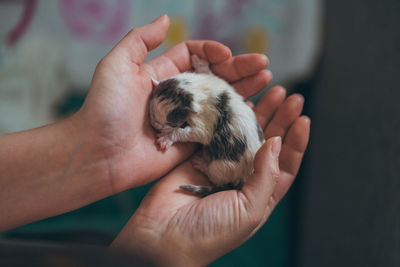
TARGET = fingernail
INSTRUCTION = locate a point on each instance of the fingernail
(160, 17)
(276, 146)
(307, 119)
(281, 88)
(267, 59)
(300, 98)
(269, 73)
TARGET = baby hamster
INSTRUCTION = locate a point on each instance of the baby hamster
(200, 107)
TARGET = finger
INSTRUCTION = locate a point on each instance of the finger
(286, 114)
(177, 59)
(295, 145)
(292, 153)
(241, 66)
(139, 41)
(251, 85)
(260, 186)
(212, 51)
(269, 104)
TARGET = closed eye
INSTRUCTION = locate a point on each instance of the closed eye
(185, 124)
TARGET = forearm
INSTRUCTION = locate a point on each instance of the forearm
(48, 171)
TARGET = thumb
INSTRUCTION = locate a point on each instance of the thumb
(139, 41)
(260, 186)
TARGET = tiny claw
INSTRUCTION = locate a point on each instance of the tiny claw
(198, 163)
(250, 104)
(163, 142)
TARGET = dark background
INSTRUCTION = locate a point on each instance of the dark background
(349, 201)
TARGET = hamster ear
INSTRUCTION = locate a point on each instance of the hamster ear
(194, 108)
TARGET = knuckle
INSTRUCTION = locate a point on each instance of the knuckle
(275, 174)
(252, 211)
(132, 31)
(275, 177)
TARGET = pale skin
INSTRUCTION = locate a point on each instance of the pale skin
(108, 146)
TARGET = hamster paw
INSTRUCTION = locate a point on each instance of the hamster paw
(198, 163)
(164, 142)
(200, 65)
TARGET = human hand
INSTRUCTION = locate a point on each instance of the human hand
(115, 113)
(172, 227)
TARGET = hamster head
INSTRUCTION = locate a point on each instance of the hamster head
(170, 106)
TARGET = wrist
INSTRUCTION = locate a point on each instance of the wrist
(78, 165)
(89, 156)
(155, 247)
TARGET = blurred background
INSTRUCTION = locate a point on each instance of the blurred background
(343, 56)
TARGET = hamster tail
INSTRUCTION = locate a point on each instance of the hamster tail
(199, 190)
(203, 191)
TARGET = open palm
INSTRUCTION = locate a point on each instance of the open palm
(183, 229)
(115, 111)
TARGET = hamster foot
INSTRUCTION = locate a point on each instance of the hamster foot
(198, 163)
(164, 142)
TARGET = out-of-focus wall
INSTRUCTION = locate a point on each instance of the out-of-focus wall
(54, 46)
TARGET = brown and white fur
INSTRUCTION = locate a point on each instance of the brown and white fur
(202, 108)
